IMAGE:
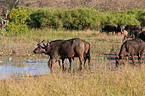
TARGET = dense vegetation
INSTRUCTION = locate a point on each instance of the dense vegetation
(23, 18)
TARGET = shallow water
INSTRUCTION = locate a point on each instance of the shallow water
(15, 67)
(21, 66)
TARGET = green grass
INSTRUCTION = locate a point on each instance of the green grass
(102, 81)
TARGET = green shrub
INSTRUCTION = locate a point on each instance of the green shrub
(49, 17)
(77, 18)
(16, 29)
(81, 18)
(18, 19)
(124, 18)
(141, 18)
(20, 15)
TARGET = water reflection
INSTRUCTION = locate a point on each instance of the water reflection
(10, 66)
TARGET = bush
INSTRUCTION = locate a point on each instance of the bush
(18, 19)
(123, 17)
(74, 19)
(141, 18)
(49, 17)
(16, 29)
(81, 18)
(20, 15)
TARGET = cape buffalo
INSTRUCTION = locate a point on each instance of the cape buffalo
(41, 48)
(114, 29)
(131, 47)
(132, 31)
(132, 27)
(131, 34)
(109, 28)
(61, 49)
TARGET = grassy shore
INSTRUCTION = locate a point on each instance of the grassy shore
(102, 81)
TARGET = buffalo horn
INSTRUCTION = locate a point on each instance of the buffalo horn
(43, 43)
(48, 42)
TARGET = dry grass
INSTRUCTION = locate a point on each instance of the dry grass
(103, 80)
(127, 81)
(24, 44)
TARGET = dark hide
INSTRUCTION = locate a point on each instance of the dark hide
(142, 35)
(132, 27)
(131, 47)
(120, 28)
(133, 34)
(133, 31)
(114, 29)
(61, 49)
(109, 28)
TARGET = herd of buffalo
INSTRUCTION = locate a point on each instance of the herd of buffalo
(59, 50)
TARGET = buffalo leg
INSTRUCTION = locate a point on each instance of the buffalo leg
(132, 57)
(85, 59)
(60, 64)
(52, 64)
(49, 64)
(70, 66)
(81, 62)
(140, 56)
(63, 67)
(89, 62)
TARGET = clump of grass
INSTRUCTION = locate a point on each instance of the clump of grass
(125, 81)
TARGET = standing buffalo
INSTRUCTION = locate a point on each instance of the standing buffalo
(61, 49)
(131, 47)
(132, 27)
(131, 34)
(132, 31)
(114, 29)
(109, 28)
(41, 48)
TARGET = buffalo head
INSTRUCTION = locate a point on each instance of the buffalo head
(118, 61)
(41, 48)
